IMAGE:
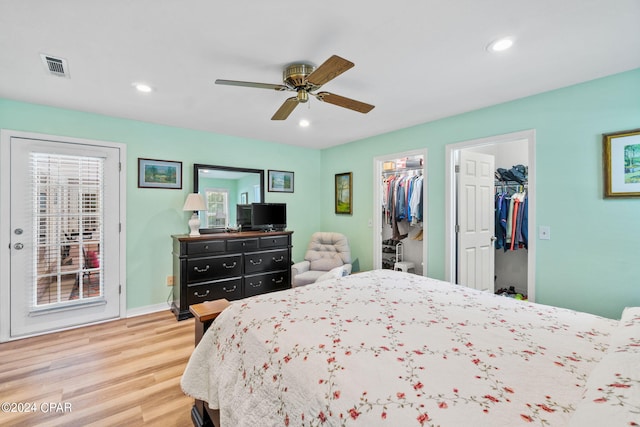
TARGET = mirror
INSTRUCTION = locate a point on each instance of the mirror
(223, 188)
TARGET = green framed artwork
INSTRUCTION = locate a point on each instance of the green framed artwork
(621, 154)
(153, 173)
(344, 193)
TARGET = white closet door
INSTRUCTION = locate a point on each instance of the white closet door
(476, 221)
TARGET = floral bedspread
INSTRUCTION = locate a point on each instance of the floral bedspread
(612, 397)
(387, 348)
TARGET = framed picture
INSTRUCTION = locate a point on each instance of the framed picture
(344, 192)
(244, 198)
(621, 154)
(280, 181)
(154, 173)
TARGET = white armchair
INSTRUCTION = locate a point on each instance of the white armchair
(328, 255)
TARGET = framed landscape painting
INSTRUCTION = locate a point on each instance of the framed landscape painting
(621, 154)
(344, 197)
(154, 173)
(280, 181)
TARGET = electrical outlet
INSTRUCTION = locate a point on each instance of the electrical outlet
(169, 280)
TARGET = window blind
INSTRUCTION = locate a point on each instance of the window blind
(68, 213)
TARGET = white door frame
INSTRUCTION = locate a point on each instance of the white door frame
(5, 225)
(451, 204)
(377, 205)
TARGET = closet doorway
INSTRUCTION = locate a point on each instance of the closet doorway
(399, 211)
(515, 267)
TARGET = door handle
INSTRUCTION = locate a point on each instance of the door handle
(494, 238)
(18, 246)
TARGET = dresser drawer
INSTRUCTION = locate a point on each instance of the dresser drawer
(261, 283)
(258, 262)
(206, 247)
(274, 241)
(211, 268)
(230, 289)
(241, 245)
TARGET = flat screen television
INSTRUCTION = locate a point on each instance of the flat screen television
(268, 216)
(243, 216)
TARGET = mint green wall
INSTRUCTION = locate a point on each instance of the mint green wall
(246, 185)
(153, 215)
(591, 262)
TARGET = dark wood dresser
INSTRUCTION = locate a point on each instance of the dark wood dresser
(228, 265)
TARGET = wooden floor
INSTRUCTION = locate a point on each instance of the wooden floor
(121, 373)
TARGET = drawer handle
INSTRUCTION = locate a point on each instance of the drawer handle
(256, 263)
(201, 296)
(201, 270)
(206, 247)
(224, 264)
(229, 290)
(257, 285)
(278, 281)
(279, 259)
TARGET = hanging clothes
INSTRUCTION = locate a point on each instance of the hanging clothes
(502, 208)
(511, 219)
(402, 201)
(415, 202)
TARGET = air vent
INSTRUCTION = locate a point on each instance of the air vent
(56, 66)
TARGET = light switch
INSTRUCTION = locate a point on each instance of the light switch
(544, 232)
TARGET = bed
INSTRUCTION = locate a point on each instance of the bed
(386, 348)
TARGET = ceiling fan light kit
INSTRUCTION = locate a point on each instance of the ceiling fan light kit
(305, 80)
(500, 45)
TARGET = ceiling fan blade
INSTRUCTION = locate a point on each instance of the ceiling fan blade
(252, 84)
(341, 101)
(329, 70)
(286, 108)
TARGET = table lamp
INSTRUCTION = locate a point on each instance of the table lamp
(194, 203)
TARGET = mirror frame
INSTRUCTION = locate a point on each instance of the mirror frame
(198, 166)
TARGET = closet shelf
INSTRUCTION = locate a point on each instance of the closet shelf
(397, 171)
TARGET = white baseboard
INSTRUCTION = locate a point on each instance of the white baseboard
(140, 311)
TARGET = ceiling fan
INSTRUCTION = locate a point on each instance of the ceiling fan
(306, 80)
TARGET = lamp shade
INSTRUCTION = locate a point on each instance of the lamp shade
(194, 202)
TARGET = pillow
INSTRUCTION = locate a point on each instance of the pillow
(334, 273)
(93, 261)
(612, 391)
(326, 263)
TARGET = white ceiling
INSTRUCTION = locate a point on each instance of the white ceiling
(415, 60)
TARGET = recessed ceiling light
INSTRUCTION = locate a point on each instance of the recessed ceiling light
(142, 87)
(500, 44)
(304, 123)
